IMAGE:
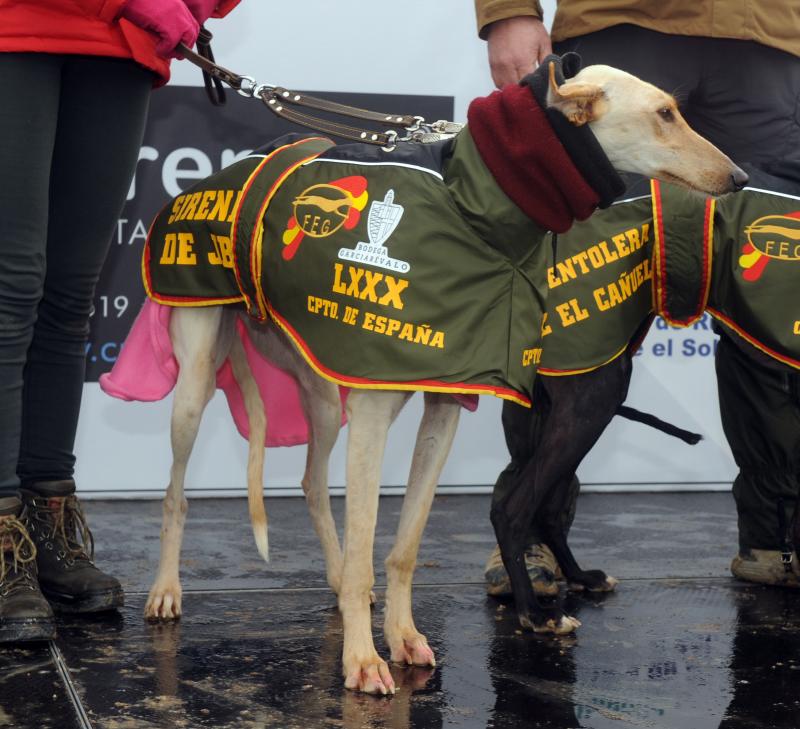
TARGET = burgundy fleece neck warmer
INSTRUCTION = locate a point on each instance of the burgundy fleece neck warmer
(527, 160)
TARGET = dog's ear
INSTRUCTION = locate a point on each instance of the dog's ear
(576, 101)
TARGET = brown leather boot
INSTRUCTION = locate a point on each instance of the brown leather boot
(543, 571)
(25, 615)
(766, 567)
(65, 549)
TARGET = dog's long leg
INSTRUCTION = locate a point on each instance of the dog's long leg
(323, 409)
(257, 419)
(578, 408)
(434, 439)
(510, 518)
(194, 335)
(582, 406)
(370, 413)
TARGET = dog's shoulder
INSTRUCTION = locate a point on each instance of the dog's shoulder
(427, 156)
(282, 141)
(430, 156)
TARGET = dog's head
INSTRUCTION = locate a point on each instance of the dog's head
(641, 130)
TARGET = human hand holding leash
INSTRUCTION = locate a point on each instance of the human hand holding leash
(171, 20)
(516, 46)
(202, 10)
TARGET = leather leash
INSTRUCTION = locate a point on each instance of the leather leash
(280, 101)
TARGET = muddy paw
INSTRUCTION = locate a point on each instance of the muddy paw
(559, 626)
(163, 603)
(556, 624)
(370, 676)
(413, 650)
(609, 585)
(594, 581)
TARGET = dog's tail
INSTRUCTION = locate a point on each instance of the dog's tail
(647, 419)
(255, 456)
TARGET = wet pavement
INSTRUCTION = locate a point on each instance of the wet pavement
(680, 644)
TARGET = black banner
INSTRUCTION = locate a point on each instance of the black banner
(187, 139)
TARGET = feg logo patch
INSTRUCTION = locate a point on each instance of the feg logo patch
(771, 237)
(322, 209)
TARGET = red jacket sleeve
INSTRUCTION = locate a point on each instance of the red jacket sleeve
(106, 10)
(223, 8)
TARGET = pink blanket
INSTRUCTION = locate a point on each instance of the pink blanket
(146, 370)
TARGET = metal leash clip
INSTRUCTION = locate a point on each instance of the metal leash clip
(448, 128)
(435, 132)
(248, 86)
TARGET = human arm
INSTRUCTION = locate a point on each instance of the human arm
(170, 20)
(106, 10)
(204, 9)
(517, 38)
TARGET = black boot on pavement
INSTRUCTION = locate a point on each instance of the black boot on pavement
(25, 615)
(65, 549)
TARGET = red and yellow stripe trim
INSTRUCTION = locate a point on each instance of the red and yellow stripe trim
(256, 240)
(791, 362)
(174, 300)
(367, 384)
(254, 264)
(565, 373)
(660, 283)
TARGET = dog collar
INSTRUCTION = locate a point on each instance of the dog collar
(581, 144)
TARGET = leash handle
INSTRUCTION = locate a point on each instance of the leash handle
(312, 102)
(276, 105)
(214, 88)
(279, 100)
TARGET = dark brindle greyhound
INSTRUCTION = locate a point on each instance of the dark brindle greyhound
(574, 410)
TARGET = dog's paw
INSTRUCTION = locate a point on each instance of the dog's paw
(558, 624)
(593, 581)
(412, 650)
(163, 603)
(369, 675)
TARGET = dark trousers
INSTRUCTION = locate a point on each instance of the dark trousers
(745, 98)
(760, 408)
(71, 128)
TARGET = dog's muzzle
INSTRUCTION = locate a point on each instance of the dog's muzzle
(739, 179)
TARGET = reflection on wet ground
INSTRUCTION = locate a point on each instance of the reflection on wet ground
(688, 652)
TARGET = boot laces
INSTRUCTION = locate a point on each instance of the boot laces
(22, 551)
(64, 518)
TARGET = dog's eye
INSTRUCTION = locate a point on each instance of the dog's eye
(666, 114)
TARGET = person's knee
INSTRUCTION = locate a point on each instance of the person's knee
(65, 317)
(18, 314)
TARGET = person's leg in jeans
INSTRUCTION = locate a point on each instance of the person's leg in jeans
(28, 127)
(748, 106)
(760, 409)
(100, 126)
(72, 148)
